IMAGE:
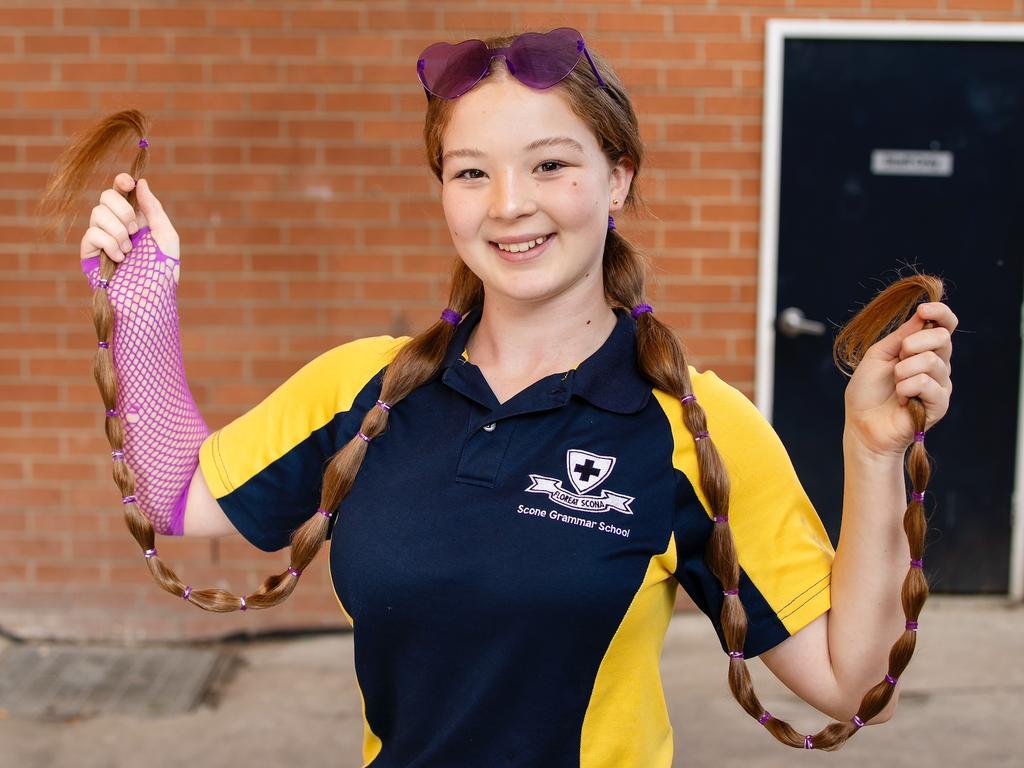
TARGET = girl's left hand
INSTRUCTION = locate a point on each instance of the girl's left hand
(911, 361)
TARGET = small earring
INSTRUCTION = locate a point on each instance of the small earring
(615, 202)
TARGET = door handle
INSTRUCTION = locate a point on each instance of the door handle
(792, 323)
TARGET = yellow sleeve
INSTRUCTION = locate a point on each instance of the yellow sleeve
(265, 468)
(784, 552)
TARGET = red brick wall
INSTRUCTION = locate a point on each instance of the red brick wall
(286, 147)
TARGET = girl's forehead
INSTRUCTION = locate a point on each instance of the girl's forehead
(505, 115)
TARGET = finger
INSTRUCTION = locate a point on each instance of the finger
(96, 240)
(889, 347)
(163, 231)
(938, 313)
(933, 395)
(107, 220)
(151, 206)
(936, 339)
(927, 362)
(120, 208)
(124, 183)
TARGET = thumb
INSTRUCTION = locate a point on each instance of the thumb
(160, 225)
(888, 347)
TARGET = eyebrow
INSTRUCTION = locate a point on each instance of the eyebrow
(553, 141)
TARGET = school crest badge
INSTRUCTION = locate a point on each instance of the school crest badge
(586, 471)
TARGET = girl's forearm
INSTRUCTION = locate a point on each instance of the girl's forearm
(870, 565)
(163, 427)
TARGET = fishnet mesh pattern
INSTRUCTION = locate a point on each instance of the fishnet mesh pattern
(163, 427)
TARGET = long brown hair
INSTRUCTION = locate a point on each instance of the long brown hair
(660, 357)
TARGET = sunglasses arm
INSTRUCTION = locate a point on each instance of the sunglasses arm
(600, 80)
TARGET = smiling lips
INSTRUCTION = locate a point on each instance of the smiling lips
(521, 247)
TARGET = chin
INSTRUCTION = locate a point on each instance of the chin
(528, 290)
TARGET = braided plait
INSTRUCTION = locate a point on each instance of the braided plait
(413, 365)
(662, 360)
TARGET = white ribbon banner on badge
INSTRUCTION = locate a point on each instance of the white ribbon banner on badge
(554, 490)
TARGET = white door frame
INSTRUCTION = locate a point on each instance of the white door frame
(776, 32)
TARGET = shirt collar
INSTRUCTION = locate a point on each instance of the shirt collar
(609, 378)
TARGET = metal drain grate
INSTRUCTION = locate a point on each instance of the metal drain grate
(70, 682)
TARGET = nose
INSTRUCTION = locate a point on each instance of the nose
(511, 197)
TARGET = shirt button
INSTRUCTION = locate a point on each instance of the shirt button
(490, 427)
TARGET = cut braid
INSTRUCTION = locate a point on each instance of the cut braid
(413, 365)
(662, 361)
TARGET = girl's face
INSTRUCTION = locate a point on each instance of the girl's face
(520, 166)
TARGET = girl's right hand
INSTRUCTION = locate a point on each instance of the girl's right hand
(114, 220)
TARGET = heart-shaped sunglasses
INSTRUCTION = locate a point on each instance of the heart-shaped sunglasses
(536, 59)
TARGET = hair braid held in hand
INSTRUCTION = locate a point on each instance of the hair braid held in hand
(414, 364)
(662, 361)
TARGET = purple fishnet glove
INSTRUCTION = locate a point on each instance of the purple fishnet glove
(163, 428)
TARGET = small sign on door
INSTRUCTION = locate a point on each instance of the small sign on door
(911, 162)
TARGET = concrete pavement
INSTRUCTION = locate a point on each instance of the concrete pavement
(293, 702)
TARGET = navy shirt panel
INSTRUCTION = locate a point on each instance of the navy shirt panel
(487, 589)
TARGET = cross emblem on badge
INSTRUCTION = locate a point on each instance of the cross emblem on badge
(587, 470)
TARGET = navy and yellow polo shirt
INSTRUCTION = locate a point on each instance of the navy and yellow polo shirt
(510, 569)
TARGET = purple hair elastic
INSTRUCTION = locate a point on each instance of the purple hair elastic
(917, 563)
(103, 282)
(857, 721)
(765, 717)
(731, 592)
(639, 309)
(243, 607)
(103, 344)
(364, 438)
(611, 223)
(912, 626)
(111, 411)
(736, 654)
(917, 496)
(128, 500)
(808, 742)
(919, 437)
(325, 513)
(384, 406)
(701, 435)
(721, 518)
(294, 572)
(143, 143)
(688, 399)
(188, 591)
(150, 553)
(451, 316)
(890, 679)
(117, 455)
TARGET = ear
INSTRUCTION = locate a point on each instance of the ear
(619, 180)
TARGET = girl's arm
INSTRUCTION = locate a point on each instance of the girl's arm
(203, 515)
(163, 429)
(833, 661)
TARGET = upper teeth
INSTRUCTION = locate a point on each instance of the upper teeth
(520, 247)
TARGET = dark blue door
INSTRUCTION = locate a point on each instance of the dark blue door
(854, 208)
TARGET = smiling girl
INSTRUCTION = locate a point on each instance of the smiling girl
(485, 636)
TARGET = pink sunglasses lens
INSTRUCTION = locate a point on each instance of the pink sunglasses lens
(541, 60)
(448, 70)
